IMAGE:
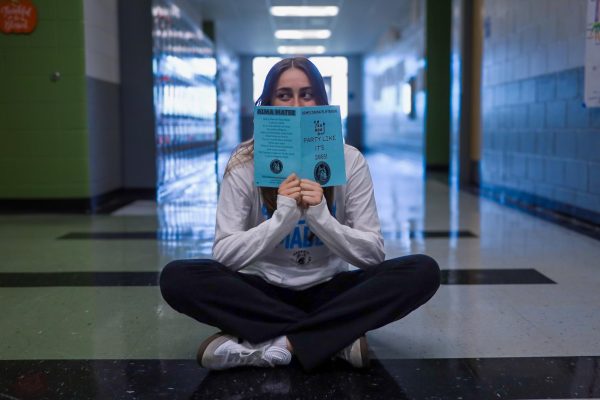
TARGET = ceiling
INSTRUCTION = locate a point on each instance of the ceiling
(246, 26)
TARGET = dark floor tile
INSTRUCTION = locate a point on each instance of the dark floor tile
(491, 378)
(153, 235)
(51, 279)
(430, 234)
(110, 235)
(493, 277)
(443, 234)
(149, 278)
(498, 378)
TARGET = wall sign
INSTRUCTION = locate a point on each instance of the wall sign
(17, 16)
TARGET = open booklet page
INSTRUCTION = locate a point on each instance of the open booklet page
(304, 140)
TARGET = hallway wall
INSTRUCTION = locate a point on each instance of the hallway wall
(465, 141)
(228, 99)
(61, 138)
(102, 80)
(228, 86)
(438, 34)
(398, 58)
(356, 118)
(138, 135)
(44, 133)
(246, 98)
(539, 142)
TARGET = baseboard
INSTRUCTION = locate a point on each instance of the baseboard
(100, 204)
(575, 218)
(437, 168)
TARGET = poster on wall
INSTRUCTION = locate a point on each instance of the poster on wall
(17, 16)
(592, 55)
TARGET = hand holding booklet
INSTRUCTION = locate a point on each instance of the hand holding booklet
(304, 140)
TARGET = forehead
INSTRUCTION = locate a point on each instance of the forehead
(293, 77)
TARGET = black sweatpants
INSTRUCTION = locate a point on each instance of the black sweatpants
(318, 321)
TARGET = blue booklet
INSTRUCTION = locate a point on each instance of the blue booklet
(304, 140)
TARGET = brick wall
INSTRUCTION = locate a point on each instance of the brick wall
(538, 139)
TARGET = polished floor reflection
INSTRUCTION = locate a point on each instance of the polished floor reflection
(516, 317)
(496, 378)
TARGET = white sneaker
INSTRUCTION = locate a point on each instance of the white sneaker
(357, 354)
(221, 351)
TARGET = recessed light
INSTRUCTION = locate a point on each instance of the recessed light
(302, 34)
(301, 49)
(304, 11)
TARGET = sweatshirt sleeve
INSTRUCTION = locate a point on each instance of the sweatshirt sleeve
(359, 242)
(238, 244)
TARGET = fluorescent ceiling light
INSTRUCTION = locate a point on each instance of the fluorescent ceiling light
(305, 11)
(301, 49)
(406, 98)
(302, 34)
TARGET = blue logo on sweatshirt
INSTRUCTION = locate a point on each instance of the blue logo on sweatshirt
(301, 237)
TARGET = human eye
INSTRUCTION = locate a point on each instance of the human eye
(307, 94)
(283, 95)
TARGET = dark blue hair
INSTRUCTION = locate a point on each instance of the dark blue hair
(301, 63)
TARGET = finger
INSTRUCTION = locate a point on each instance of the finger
(286, 180)
(311, 190)
(313, 199)
(309, 184)
(294, 181)
(288, 186)
(291, 177)
(312, 193)
(288, 191)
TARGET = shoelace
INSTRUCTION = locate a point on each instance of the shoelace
(277, 356)
(246, 357)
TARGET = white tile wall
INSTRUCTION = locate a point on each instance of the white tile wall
(537, 138)
(101, 40)
(548, 35)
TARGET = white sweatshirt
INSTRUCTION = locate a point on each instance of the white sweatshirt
(279, 248)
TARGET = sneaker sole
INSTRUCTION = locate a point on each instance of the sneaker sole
(209, 345)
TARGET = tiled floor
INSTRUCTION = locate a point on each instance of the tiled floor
(83, 318)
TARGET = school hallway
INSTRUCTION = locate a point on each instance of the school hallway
(480, 124)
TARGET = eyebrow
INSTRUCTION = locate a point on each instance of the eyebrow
(288, 88)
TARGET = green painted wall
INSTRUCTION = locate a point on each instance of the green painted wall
(437, 120)
(43, 124)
